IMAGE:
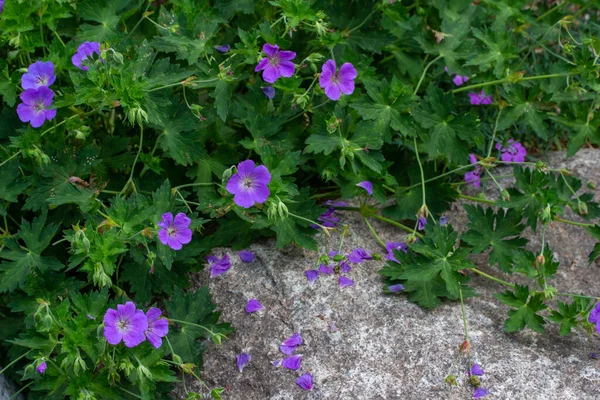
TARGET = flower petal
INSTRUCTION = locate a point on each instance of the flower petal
(261, 174)
(287, 68)
(271, 74)
(311, 275)
(242, 360)
(292, 362)
(345, 282)
(396, 288)
(305, 381)
(262, 64)
(368, 186)
(286, 55)
(253, 306)
(270, 49)
(333, 91)
(246, 256)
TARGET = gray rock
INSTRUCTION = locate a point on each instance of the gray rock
(8, 388)
(385, 347)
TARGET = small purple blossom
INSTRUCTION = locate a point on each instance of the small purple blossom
(477, 99)
(276, 64)
(126, 324)
(421, 222)
(345, 282)
(276, 363)
(85, 52)
(292, 362)
(473, 178)
(368, 186)
(41, 368)
(1, 5)
(253, 306)
(513, 151)
(479, 393)
(595, 317)
(305, 381)
(476, 370)
(224, 48)
(246, 256)
(345, 267)
(594, 356)
(157, 327)
(175, 232)
(249, 185)
(334, 83)
(443, 220)
(294, 340)
(218, 266)
(34, 106)
(359, 255)
(39, 74)
(396, 288)
(336, 203)
(327, 219)
(325, 269)
(391, 246)
(459, 80)
(311, 275)
(242, 360)
(269, 91)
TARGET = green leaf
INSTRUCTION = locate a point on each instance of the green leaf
(174, 140)
(8, 89)
(11, 184)
(501, 50)
(326, 144)
(525, 107)
(526, 309)
(107, 14)
(567, 314)
(230, 7)
(222, 96)
(496, 231)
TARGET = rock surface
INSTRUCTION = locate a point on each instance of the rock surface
(360, 343)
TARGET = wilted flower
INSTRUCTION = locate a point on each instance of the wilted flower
(218, 265)
(480, 98)
(246, 256)
(334, 83)
(277, 63)
(421, 222)
(290, 344)
(368, 186)
(85, 52)
(327, 219)
(396, 288)
(391, 246)
(175, 232)
(443, 220)
(479, 393)
(305, 381)
(345, 282)
(513, 151)
(38, 74)
(253, 306)
(345, 267)
(325, 269)
(42, 367)
(359, 255)
(126, 324)
(249, 185)
(292, 362)
(157, 327)
(476, 370)
(269, 91)
(311, 275)
(243, 360)
(223, 48)
(473, 178)
(34, 108)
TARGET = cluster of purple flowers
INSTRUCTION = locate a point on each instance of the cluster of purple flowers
(249, 184)
(219, 266)
(328, 218)
(513, 151)
(37, 97)
(132, 326)
(278, 63)
(356, 256)
(476, 99)
(85, 52)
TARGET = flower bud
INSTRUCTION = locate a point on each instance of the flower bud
(451, 380)
(546, 215)
(475, 381)
(582, 208)
(86, 244)
(376, 256)
(549, 292)
(540, 260)
(505, 195)
(338, 257)
(465, 346)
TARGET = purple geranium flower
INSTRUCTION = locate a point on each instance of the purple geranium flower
(368, 186)
(34, 108)
(305, 381)
(126, 323)
(327, 219)
(345, 267)
(480, 98)
(513, 151)
(473, 178)
(479, 393)
(224, 48)
(218, 265)
(277, 63)
(359, 255)
(243, 360)
(246, 256)
(396, 288)
(311, 275)
(595, 317)
(334, 83)
(443, 220)
(391, 246)
(476, 370)
(41, 368)
(421, 222)
(292, 362)
(85, 52)
(325, 269)
(253, 306)
(157, 327)
(459, 80)
(345, 282)
(175, 233)
(249, 185)
(269, 91)
(38, 74)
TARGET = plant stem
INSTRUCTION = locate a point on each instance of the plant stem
(130, 180)
(140, 20)
(465, 326)
(181, 83)
(14, 396)
(508, 80)
(192, 324)
(477, 199)
(129, 393)
(566, 221)
(493, 278)
(398, 224)
(193, 184)
(364, 21)
(422, 173)
(373, 232)
(67, 119)
(14, 361)
(424, 72)
(325, 229)
(10, 158)
(494, 135)
(404, 189)
(550, 11)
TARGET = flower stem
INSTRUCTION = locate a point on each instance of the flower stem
(398, 224)
(129, 393)
(192, 324)
(14, 396)
(477, 199)
(493, 278)
(566, 221)
(193, 184)
(130, 180)
(373, 232)
(422, 173)
(181, 83)
(10, 158)
(508, 80)
(407, 188)
(424, 72)
(494, 135)
(14, 361)
(364, 21)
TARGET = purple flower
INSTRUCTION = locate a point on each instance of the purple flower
(276, 363)
(594, 356)
(311, 275)
(480, 392)
(126, 323)
(1, 5)
(85, 52)
(224, 48)
(305, 381)
(421, 222)
(473, 178)
(249, 185)
(253, 306)
(325, 269)
(345, 267)
(175, 233)
(269, 91)
(246, 256)
(443, 220)
(38, 74)
(334, 83)
(368, 186)
(218, 266)
(396, 288)
(293, 341)
(327, 219)
(595, 317)
(359, 255)
(476, 370)
(345, 282)
(480, 98)
(242, 360)
(459, 80)
(513, 151)
(157, 327)
(391, 246)
(276, 64)
(336, 203)
(292, 362)
(34, 108)
(42, 367)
